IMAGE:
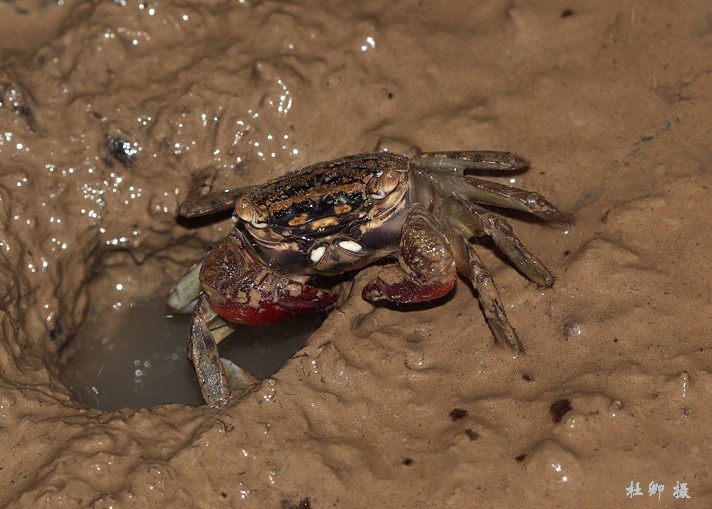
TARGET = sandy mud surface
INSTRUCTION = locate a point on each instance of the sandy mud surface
(108, 111)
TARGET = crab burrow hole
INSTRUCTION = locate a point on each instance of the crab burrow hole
(129, 350)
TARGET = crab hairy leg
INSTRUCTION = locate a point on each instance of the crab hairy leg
(501, 232)
(182, 297)
(203, 354)
(217, 377)
(500, 195)
(470, 265)
(203, 204)
(426, 268)
(448, 169)
(478, 160)
(475, 221)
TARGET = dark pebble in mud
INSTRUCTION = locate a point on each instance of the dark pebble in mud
(457, 414)
(560, 408)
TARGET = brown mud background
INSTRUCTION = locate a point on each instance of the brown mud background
(109, 109)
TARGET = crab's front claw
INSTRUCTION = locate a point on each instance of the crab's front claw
(426, 268)
(271, 300)
(237, 288)
(394, 285)
(241, 289)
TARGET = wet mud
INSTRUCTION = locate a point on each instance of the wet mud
(109, 111)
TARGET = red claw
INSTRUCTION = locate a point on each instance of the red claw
(269, 306)
(241, 289)
(395, 286)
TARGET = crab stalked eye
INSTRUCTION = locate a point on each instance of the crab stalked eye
(248, 212)
(382, 184)
(244, 209)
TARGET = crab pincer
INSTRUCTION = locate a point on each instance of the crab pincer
(241, 289)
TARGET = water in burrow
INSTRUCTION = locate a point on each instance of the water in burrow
(140, 361)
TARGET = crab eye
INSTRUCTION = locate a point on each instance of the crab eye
(246, 210)
(381, 185)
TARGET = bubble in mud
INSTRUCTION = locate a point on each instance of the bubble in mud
(572, 329)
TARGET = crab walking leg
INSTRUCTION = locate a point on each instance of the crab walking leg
(182, 297)
(471, 265)
(201, 201)
(217, 377)
(492, 193)
(426, 268)
(475, 221)
(210, 203)
(203, 354)
(501, 232)
(478, 160)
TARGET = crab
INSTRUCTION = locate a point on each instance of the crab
(339, 216)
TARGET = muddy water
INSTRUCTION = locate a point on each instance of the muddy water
(110, 109)
(140, 361)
